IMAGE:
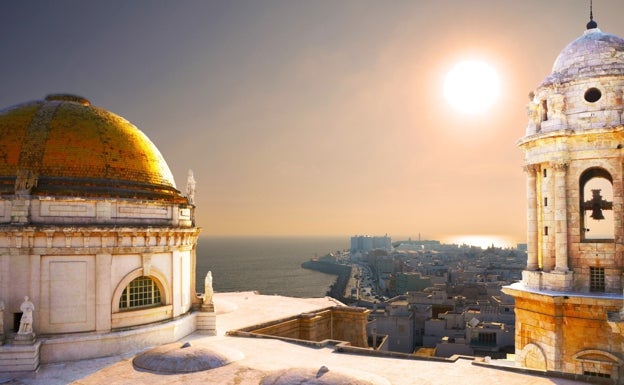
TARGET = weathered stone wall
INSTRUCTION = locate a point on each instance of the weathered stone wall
(349, 324)
(75, 275)
(576, 152)
(83, 211)
(567, 108)
(562, 333)
(287, 329)
(339, 323)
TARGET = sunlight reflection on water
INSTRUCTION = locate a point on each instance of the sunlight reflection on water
(483, 241)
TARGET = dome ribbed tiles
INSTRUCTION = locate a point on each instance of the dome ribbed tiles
(65, 146)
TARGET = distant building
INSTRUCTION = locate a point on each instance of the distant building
(364, 243)
(396, 321)
(490, 338)
(418, 245)
(404, 282)
(463, 332)
(385, 265)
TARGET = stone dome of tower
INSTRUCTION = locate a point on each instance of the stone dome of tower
(593, 54)
(64, 146)
(584, 90)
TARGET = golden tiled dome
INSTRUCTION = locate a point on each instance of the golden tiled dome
(64, 146)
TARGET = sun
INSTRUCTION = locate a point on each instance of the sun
(471, 86)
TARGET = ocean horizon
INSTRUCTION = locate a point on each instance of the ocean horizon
(267, 264)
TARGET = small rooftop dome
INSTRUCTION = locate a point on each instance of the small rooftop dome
(185, 358)
(321, 376)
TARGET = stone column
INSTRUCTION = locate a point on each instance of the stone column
(196, 300)
(561, 218)
(532, 230)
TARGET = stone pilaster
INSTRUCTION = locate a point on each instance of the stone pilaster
(34, 287)
(532, 230)
(103, 296)
(561, 218)
(4, 289)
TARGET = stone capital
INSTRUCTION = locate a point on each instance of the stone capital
(560, 165)
(531, 169)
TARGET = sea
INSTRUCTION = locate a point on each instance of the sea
(269, 265)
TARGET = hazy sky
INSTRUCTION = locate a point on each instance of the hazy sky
(322, 117)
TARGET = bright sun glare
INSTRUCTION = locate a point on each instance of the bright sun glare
(471, 86)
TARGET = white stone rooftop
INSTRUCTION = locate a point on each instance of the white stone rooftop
(263, 360)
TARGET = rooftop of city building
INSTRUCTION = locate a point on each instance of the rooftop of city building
(267, 360)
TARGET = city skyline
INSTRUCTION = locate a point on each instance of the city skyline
(310, 118)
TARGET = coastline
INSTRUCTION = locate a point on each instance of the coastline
(269, 265)
(342, 273)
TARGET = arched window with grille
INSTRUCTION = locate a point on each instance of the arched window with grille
(140, 293)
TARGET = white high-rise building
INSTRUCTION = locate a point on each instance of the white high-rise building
(365, 243)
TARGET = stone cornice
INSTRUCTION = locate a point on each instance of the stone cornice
(54, 240)
(525, 141)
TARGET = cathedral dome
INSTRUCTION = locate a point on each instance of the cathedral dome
(593, 54)
(64, 146)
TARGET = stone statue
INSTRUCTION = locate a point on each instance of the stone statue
(557, 101)
(190, 187)
(208, 292)
(27, 309)
(532, 109)
(25, 181)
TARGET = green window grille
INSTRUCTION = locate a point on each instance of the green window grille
(141, 292)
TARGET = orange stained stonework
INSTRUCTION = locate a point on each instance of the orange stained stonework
(567, 331)
(338, 323)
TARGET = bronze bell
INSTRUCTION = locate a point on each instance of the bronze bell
(597, 204)
(597, 213)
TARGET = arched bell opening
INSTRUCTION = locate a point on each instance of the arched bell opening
(596, 205)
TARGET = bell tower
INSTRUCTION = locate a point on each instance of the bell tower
(575, 205)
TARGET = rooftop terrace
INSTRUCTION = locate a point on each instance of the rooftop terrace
(260, 360)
